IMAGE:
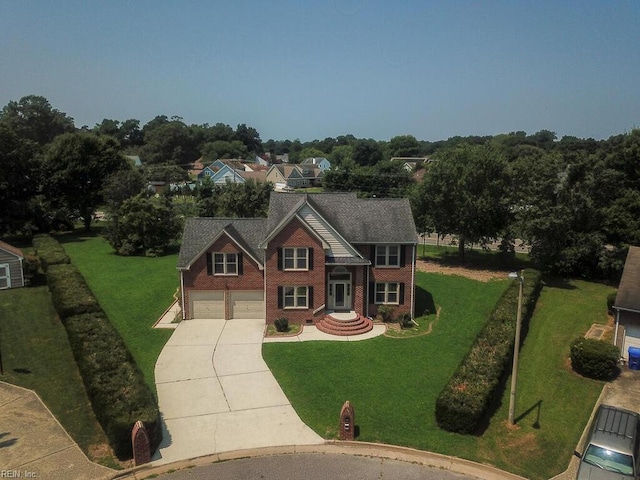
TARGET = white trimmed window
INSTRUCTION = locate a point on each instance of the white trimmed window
(387, 293)
(296, 297)
(296, 258)
(387, 255)
(225, 263)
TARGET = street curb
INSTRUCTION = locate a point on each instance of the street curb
(391, 452)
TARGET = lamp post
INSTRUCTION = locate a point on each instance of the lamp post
(516, 347)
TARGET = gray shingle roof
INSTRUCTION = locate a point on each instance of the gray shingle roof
(199, 232)
(628, 297)
(358, 220)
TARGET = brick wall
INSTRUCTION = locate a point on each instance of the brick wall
(295, 234)
(196, 278)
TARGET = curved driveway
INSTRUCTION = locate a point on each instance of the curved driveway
(216, 393)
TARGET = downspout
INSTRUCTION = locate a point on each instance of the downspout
(184, 313)
(366, 289)
(413, 279)
(615, 334)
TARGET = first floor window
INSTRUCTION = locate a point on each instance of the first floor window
(387, 293)
(296, 297)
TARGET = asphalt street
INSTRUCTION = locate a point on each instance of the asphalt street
(313, 467)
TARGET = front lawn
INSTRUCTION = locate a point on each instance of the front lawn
(133, 292)
(393, 383)
(36, 355)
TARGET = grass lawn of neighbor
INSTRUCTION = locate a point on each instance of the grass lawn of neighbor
(36, 355)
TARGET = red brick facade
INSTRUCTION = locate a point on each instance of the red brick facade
(274, 277)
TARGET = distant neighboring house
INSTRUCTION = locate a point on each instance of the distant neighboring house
(313, 254)
(410, 163)
(196, 168)
(135, 160)
(294, 176)
(627, 305)
(11, 272)
(261, 161)
(207, 171)
(320, 162)
(227, 174)
(157, 186)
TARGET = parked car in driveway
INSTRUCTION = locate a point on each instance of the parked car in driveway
(611, 451)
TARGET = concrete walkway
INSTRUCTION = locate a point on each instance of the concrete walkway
(33, 444)
(216, 393)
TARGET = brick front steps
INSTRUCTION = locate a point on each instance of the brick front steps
(345, 324)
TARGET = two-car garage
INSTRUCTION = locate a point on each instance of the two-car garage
(242, 304)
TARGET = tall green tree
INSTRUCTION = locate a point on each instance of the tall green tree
(466, 194)
(74, 168)
(366, 152)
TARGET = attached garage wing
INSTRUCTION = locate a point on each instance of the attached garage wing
(207, 304)
(247, 304)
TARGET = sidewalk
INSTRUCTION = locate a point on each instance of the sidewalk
(34, 445)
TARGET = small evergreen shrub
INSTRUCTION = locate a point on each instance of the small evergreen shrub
(405, 321)
(594, 358)
(386, 313)
(611, 300)
(281, 324)
(49, 251)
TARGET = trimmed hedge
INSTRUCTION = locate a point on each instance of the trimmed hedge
(114, 384)
(467, 397)
(594, 358)
(116, 387)
(49, 251)
(70, 293)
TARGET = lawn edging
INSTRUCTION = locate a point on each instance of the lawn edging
(467, 397)
(115, 385)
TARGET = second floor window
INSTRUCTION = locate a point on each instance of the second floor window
(222, 263)
(387, 255)
(296, 258)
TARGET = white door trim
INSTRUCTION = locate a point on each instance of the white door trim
(7, 276)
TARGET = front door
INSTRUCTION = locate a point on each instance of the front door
(340, 295)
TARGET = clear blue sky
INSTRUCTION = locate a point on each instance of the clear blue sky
(307, 70)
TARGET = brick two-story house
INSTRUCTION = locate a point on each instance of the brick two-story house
(313, 254)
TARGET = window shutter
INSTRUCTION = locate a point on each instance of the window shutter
(280, 259)
(310, 295)
(401, 295)
(310, 258)
(280, 296)
(372, 256)
(209, 264)
(403, 251)
(239, 259)
(372, 292)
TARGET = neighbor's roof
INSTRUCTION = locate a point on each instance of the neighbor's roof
(11, 249)
(628, 297)
(199, 232)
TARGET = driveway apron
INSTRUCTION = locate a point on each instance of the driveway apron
(216, 393)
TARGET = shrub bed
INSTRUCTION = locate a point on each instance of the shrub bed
(114, 384)
(467, 397)
(116, 387)
(594, 358)
(49, 251)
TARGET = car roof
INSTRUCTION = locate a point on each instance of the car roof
(615, 429)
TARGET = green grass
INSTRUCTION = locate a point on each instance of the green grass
(36, 355)
(133, 292)
(474, 258)
(393, 383)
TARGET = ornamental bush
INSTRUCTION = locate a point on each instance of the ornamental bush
(467, 397)
(594, 358)
(69, 291)
(281, 324)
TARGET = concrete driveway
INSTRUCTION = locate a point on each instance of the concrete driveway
(216, 393)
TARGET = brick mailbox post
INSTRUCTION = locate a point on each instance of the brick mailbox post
(141, 444)
(347, 422)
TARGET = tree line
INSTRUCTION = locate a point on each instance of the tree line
(575, 201)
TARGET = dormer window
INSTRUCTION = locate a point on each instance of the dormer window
(387, 255)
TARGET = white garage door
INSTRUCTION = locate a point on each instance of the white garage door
(247, 304)
(207, 304)
(631, 339)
